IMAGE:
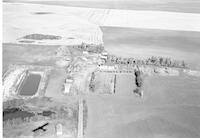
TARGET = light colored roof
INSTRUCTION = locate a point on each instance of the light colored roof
(68, 80)
(104, 57)
(67, 87)
(85, 52)
(107, 67)
(104, 53)
(59, 129)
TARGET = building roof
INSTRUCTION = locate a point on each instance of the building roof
(68, 80)
(59, 130)
(104, 53)
(67, 87)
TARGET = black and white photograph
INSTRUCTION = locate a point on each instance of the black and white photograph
(100, 69)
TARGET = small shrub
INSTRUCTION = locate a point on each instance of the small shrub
(138, 91)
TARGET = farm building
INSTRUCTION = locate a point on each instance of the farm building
(104, 53)
(67, 85)
(59, 130)
(85, 52)
(108, 68)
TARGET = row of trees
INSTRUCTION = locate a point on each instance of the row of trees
(158, 61)
(92, 85)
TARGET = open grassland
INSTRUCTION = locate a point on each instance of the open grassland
(28, 54)
(169, 108)
(144, 43)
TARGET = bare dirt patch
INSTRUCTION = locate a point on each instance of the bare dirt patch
(42, 37)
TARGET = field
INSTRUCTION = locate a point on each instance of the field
(28, 54)
(104, 83)
(22, 19)
(125, 84)
(37, 32)
(164, 5)
(169, 109)
(144, 43)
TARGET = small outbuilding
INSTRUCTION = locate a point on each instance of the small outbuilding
(67, 85)
(104, 53)
(59, 130)
(85, 52)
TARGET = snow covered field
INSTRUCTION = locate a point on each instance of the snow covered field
(190, 6)
(25, 19)
(76, 25)
(142, 19)
(150, 20)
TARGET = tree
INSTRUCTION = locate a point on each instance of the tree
(92, 85)
(138, 91)
(161, 61)
(153, 59)
(138, 78)
(183, 64)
